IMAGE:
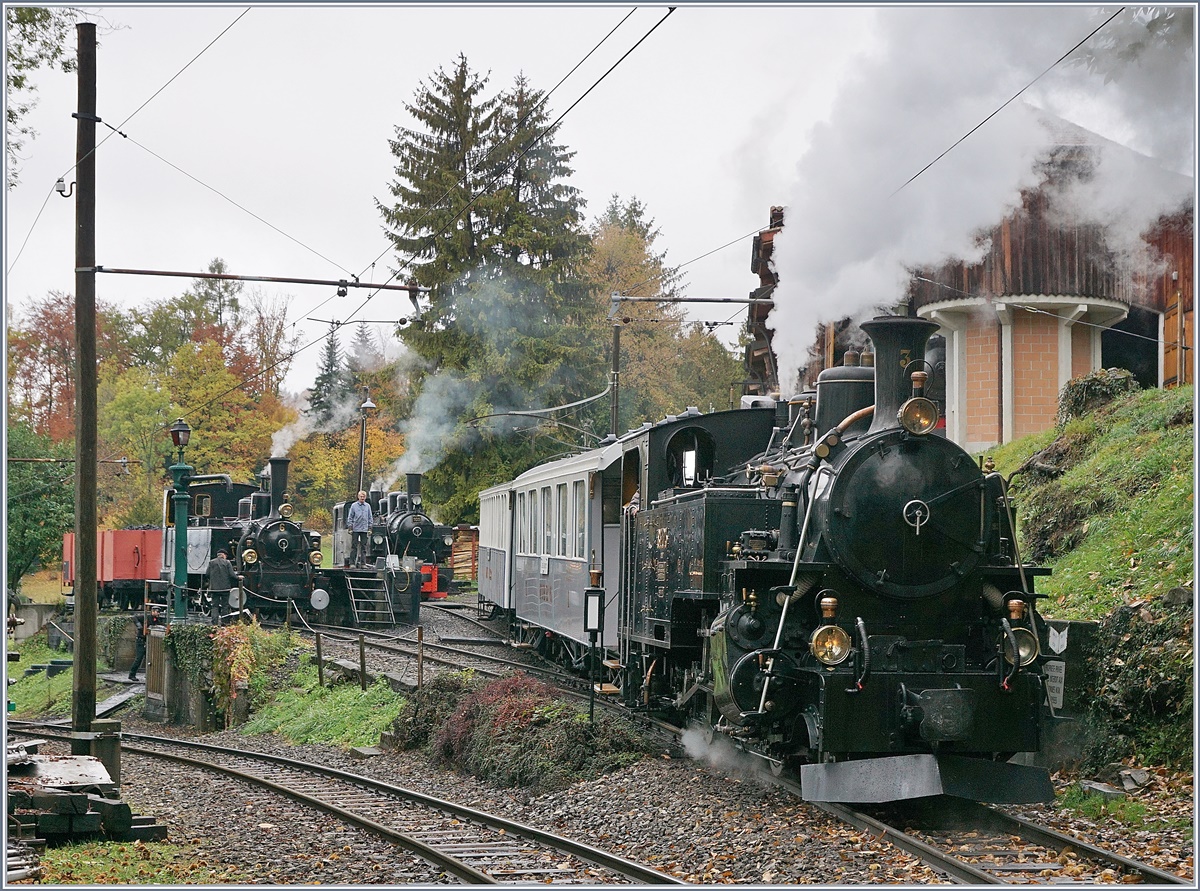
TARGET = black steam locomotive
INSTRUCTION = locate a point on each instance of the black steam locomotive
(279, 561)
(825, 583)
(405, 545)
(274, 555)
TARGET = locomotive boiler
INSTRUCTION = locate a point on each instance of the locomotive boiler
(826, 583)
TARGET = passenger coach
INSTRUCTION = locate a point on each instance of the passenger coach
(539, 533)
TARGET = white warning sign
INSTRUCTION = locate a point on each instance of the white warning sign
(1056, 675)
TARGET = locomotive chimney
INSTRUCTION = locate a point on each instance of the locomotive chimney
(279, 481)
(899, 343)
(412, 485)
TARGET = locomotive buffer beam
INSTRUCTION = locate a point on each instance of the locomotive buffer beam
(873, 780)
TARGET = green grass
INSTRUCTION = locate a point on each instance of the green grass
(1117, 525)
(1099, 809)
(39, 695)
(130, 863)
(343, 715)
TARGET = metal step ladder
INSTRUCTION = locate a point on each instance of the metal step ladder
(369, 599)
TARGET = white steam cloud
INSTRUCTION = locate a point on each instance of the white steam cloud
(434, 426)
(721, 754)
(343, 415)
(853, 228)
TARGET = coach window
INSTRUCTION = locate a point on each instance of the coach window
(522, 523)
(547, 522)
(580, 515)
(535, 521)
(562, 521)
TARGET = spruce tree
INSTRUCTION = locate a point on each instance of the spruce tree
(536, 216)
(332, 385)
(432, 223)
(364, 353)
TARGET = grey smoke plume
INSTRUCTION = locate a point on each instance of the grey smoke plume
(512, 329)
(850, 236)
(434, 425)
(344, 414)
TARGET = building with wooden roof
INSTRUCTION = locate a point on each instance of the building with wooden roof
(1051, 300)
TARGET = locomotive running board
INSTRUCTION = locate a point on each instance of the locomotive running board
(899, 777)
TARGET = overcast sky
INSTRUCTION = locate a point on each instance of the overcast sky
(720, 113)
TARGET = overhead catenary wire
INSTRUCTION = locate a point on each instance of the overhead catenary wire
(240, 207)
(487, 157)
(1011, 99)
(532, 144)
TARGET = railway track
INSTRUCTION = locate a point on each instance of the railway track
(977, 844)
(457, 657)
(471, 846)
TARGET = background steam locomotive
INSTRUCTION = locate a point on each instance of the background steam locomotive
(823, 582)
(403, 538)
(281, 563)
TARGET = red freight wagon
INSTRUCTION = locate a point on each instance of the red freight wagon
(125, 560)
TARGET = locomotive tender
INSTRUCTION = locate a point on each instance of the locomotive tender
(279, 561)
(825, 583)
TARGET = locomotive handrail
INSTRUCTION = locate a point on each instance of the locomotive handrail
(1012, 526)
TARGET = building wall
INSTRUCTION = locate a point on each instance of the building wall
(983, 381)
(1081, 351)
(1035, 372)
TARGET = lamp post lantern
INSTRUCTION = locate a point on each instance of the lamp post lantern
(362, 439)
(180, 434)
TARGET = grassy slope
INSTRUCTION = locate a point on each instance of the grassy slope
(1115, 523)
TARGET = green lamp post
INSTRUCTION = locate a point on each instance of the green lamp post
(180, 434)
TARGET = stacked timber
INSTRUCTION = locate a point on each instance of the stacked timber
(464, 555)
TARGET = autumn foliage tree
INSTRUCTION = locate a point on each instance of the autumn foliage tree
(41, 499)
(666, 363)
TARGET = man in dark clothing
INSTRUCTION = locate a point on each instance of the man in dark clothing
(221, 579)
(140, 623)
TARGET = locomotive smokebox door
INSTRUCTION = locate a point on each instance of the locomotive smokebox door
(904, 515)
